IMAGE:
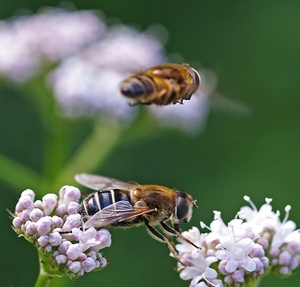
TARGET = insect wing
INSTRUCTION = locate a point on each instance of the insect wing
(118, 212)
(98, 182)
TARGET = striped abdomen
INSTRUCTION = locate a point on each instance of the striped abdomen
(101, 199)
(162, 85)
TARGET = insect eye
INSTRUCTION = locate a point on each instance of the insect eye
(196, 76)
(182, 211)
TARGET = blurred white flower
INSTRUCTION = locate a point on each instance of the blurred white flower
(26, 42)
(190, 116)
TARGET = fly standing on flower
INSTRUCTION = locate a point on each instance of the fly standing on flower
(122, 204)
(162, 85)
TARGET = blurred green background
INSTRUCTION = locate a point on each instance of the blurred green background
(254, 48)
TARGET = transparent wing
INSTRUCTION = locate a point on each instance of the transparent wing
(118, 212)
(98, 182)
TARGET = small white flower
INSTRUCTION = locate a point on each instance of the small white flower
(104, 237)
(285, 231)
(73, 221)
(236, 253)
(74, 251)
(199, 269)
(87, 238)
(258, 220)
(194, 236)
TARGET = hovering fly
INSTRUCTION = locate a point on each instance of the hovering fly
(122, 204)
(162, 85)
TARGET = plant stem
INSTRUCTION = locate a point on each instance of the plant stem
(43, 281)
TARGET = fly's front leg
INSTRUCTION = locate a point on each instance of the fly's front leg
(175, 231)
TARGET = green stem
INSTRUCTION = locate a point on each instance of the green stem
(92, 152)
(57, 146)
(43, 281)
(258, 281)
(254, 283)
(47, 270)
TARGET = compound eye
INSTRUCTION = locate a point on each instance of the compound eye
(197, 78)
(182, 209)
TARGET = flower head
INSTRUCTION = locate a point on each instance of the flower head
(253, 243)
(54, 227)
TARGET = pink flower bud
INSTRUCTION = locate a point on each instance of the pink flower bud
(61, 210)
(68, 194)
(48, 248)
(44, 225)
(29, 193)
(38, 204)
(72, 207)
(73, 221)
(74, 251)
(36, 214)
(57, 221)
(64, 247)
(25, 215)
(25, 202)
(75, 267)
(55, 239)
(30, 227)
(88, 264)
(61, 259)
(43, 240)
(49, 202)
(17, 222)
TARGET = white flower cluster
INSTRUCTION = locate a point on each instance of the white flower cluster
(30, 40)
(251, 245)
(85, 62)
(54, 227)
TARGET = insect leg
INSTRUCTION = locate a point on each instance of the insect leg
(162, 238)
(177, 233)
